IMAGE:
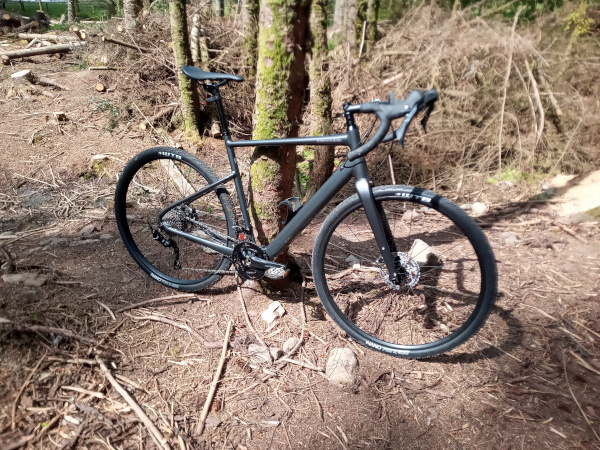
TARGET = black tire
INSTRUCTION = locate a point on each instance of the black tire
(153, 180)
(454, 289)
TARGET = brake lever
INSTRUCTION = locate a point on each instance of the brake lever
(401, 131)
(425, 118)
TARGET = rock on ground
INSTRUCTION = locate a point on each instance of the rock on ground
(26, 278)
(342, 366)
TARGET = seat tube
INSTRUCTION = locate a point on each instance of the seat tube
(375, 217)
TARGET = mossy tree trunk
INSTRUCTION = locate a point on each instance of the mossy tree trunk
(280, 86)
(372, 16)
(111, 8)
(219, 7)
(320, 95)
(190, 103)
(250, 9)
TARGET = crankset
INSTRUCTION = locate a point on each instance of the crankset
(252, 263)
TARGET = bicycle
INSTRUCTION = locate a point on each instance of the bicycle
(400, 269)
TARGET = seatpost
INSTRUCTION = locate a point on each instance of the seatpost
(353, 134)
(215, 96)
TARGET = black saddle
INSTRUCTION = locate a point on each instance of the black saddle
(200, 75)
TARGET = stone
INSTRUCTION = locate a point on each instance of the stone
(353, 261)
(31, 251)
(26, 278)
(466, 206)
(30, 295)
(509, 237)
(342, 366)
(276, 353)
(290, 344)
(479, 209)
(505, 185)
(422, 253)
(212, 421)
(409, 215)
(85, 242)
(274, 311)
(105, 237)
(88, 230)
(259, 354)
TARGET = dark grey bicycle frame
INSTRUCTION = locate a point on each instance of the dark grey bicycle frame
(356, 169)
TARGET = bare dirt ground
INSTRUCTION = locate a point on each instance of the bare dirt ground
(529, 379)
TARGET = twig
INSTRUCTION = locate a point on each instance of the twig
(538, 101)
(506, 77)
(146, 302)
(71, 442)
(249, 323)
(569, 231)
(182, 326)
(155, 434)
(27, 380)
(301, 340)
(575, 398)
(584, 363)
(61, 331)
(108, 309)
(213, 386)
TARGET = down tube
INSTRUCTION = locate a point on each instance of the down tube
(309, 210)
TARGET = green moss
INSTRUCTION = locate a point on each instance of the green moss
(264, 172)
(594, 212)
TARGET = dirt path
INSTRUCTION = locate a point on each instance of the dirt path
(513, 386)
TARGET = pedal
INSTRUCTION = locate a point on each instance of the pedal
(277, 273)
(292, 209)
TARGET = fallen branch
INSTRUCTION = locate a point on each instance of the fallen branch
(249, 323)
(41, 328)
(154, 300)
(61, 48)
(28, 26)
(45, 37)
(71, 442)
(155, 434)
(569, 231)
(213, 386)
(181, 326)
(125, 44)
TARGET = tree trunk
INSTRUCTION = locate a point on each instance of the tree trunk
(77, 10)
(111, 8)
(71, 11)
(130, 11)
(279, 99)
(351, 25)
(62, 48)
(372, 16)
(190, 102)
(195, 40)
(250, 10)
(339, 21)
(320, 95)
(219, 7)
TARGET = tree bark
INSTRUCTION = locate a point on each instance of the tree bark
(250, 9)
(281, 80)
(195, 39)
(339, 21)
(320, 95)
(71, 16)
(190, 102)
(351, 27)
(372, 16)
(130, 12)
(219, 7)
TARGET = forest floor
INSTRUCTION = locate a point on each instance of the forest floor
(529, 379)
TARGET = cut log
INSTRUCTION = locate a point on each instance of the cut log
(125, 44)
(32, 43)
(45, 81)
(41, 36)
(61, 48)
(154, 119)
(28, 26)
(23, 75)
(100, 87)
(29, 76)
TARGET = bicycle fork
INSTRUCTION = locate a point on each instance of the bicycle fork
(379, 224)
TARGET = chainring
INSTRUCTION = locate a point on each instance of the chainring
(242, 253)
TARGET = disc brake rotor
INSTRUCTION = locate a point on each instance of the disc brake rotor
(410, 274)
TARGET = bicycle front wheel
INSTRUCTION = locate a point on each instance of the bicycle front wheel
(447, 270)
(150, 182)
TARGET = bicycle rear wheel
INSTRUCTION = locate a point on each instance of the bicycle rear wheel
(155, 179)
(448, 272)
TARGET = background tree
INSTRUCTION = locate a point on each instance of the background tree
(372, 16)
(351, 24)
(339, 21)
(219, 7)
(71, 11)
(320, 95)
(283, 27)
(130, 12)
(250, 9)
(190, 103)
